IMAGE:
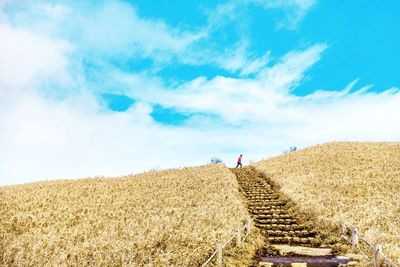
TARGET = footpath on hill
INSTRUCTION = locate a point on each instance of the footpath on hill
(290, 239)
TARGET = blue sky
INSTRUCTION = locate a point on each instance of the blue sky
(113, 87)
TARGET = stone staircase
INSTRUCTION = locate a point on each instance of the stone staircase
(290, 239)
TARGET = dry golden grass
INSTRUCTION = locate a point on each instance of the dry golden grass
(354, 183)
(168, 218)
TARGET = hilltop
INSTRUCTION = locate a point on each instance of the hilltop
(350, 182)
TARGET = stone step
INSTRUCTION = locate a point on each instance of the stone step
(265, 200)
(261, 191)
(255, 213)
(274, 215)
(305, 261)
(263, 197)
(292, 227)
(258, 212)
(303, 250)
(291, 240)
(267, 207)
(267, 203)
(280, 233)
(276, 221)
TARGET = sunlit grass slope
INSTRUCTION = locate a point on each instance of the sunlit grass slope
(354, 183)
(168, 218)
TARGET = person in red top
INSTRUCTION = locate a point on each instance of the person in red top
(239, 161)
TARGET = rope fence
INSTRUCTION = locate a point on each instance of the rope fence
(246, 228)
(372, 252)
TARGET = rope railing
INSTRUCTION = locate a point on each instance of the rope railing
(210, 258)
(229, 240)
(219, 247)
(375, 250)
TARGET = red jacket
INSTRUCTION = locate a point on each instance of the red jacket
(239, 159)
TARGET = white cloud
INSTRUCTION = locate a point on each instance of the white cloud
(109, 28)
(352, 116)
(43, 139)
(27, 58)
(129, 34)
(86, 26)
(47, 138)
(70, 139)
(236, 100)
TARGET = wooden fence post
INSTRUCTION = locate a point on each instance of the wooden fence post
(354, 237)
(343, 229)
(248, 226)
(219, 255)
(238, 237)
(377, 251)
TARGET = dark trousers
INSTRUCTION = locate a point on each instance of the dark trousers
(239, 164)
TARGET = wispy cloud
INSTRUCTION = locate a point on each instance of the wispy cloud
(129, 34)
(88, 29)
(294, 11)
(111, 29)
(240, 60)
(290, 70)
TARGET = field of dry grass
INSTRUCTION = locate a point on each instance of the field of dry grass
(354, 183)
(168, 218)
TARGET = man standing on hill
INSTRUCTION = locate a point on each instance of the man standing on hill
(239, 161)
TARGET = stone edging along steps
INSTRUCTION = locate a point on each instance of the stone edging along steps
(290, 241)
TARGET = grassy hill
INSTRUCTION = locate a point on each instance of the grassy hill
(175, 217)
(354, 183)
(168, 218)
